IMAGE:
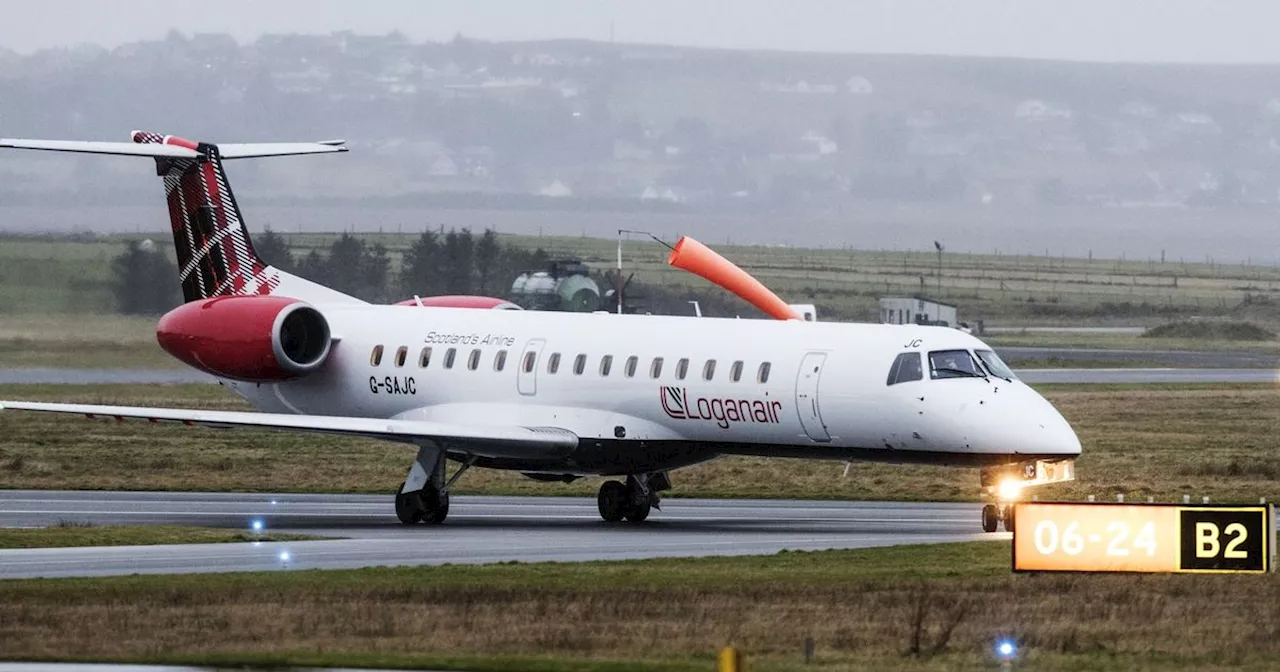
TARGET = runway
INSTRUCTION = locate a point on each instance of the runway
(479, 530)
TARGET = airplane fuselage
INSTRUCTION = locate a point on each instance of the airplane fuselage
(648, 393)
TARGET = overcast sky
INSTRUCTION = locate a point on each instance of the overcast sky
(1215, 31)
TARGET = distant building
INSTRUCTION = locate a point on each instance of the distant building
(859, 86)
(556, 189)
(916, 310)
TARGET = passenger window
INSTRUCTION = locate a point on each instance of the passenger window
(473, 362)
(530, 360)
(953, 364)
(402, 353)
(424, 358)
(632, 362)
(449, 356)
(500, 360)
(735, 373)
(905, 368)
(709, 370)
(579, 365)
(376, 357)
(762, 376)
(682, 368)
(553, 363)
(655, 369)
(606, 363)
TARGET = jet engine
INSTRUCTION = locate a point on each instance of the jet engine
(460, 301)
(249, 338)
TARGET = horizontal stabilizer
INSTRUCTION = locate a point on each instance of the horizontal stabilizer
(251, 150)
(116, 148)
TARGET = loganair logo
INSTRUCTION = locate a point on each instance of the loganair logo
(677, 404)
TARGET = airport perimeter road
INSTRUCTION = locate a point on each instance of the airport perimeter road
(479, 530)
(1148, 376)
(1217, 359)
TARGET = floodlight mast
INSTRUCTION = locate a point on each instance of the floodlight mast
(622, 233)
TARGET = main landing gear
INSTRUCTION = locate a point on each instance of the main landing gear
(634, 500)
(424, 495)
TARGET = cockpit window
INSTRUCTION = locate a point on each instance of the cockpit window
(954, 364)
(905, 368)
(995, 365)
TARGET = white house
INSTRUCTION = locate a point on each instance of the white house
(916, 310)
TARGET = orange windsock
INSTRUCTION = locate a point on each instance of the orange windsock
(692, 256)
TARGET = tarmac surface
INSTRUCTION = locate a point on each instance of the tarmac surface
(479, 530)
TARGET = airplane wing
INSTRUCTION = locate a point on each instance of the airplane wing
(484, 441)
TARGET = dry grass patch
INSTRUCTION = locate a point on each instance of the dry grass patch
(861, 608)
(1159, 441)
(81, 341)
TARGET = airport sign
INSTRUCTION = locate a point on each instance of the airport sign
(1153, 538)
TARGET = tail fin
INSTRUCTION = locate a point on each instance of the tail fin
(215, 255)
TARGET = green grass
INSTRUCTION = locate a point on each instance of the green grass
(1161, 441)
(81, 341)
(72, 534)
(859, 607)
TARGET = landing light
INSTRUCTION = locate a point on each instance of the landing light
(1009, 489)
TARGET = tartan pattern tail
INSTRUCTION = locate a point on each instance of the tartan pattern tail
(215, 255)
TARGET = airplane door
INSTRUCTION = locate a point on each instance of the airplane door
(807, 396)
(527, 374)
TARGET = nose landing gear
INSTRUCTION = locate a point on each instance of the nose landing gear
(993, 515)
(1009, 482)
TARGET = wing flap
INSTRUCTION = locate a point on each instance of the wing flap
(485, 441)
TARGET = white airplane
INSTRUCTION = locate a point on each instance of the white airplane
(559, 396)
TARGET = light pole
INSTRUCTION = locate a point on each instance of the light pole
(938, 245)
(622, 233)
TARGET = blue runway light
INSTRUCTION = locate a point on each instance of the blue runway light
(257, 525)
(1006, 648)
(284, 556)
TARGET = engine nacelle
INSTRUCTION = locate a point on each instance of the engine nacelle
(461, 301)
(250, 338)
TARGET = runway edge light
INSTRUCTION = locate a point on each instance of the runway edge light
(1143, 538)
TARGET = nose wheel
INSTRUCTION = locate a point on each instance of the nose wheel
(993, 516)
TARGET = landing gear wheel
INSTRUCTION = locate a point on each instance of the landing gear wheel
(1008, 518)
(440, 512)
(637, 511)
(612, 501)
(990, 518)
(408, 506)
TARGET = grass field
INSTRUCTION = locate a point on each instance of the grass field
(69, 534)
(81, 341)
(1142, 440)
(866, 609)
(58, 276)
